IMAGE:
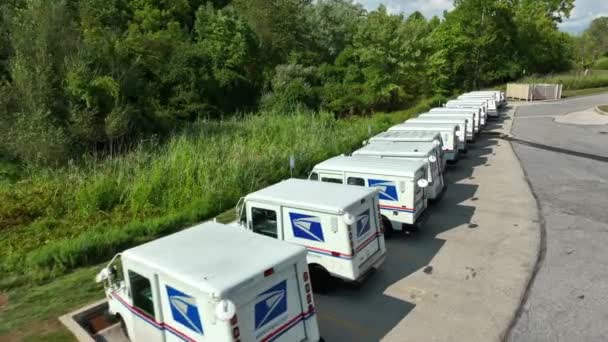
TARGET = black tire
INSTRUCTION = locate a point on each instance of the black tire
(387, 226)
(320, 278)
(410, 229)
(123, 327)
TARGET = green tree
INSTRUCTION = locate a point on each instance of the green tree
(43, 37)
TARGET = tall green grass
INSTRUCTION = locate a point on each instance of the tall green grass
(55, 220)
(573, 80)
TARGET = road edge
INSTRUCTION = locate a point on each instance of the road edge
(542, 246)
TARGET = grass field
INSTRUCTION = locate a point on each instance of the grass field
(604, 108)
(60, 225)
(574, 80)
(584, 92)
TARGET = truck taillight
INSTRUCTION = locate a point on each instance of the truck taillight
(268, 272)
(236, 332)
(309, 298)
(350, 239)
(305, 276)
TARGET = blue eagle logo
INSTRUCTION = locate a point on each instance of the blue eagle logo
(270, 304)
(307, 227)
(363, 224)
(388, 189)
(184, 310)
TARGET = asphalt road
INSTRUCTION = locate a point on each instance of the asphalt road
(464, 275)
(568, 299)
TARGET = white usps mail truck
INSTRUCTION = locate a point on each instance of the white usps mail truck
(470, 117)
(210, 283)
(338, 224)
(453, 137)
(490, 99)
(491, 105)
(401, 184)
(401, 136)
(466, 128)
(422, 136)
(460, 141)
(409, 150)
(470, 103)
(479, 116)
(499, 96)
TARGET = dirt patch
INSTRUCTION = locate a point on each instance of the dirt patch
(3, 301)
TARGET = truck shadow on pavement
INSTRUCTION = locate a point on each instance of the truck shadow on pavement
(369, 311)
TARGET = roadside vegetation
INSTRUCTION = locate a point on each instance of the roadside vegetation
(574, 80)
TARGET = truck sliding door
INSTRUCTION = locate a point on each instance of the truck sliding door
(146, 310)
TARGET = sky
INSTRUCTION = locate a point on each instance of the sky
(584, 12)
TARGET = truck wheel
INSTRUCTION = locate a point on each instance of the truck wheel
(123, 327)
(387, 226)
(410, 229)
(320, 278)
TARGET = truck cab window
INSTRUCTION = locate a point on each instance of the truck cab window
(355, 181)
(264, 221)
(141, 291)
(314, 176)
(331, 180)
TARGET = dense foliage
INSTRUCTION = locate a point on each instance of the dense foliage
(97, 76)
(592, 46)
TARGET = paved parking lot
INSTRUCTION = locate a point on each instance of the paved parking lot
(568, 300)
(464, 275)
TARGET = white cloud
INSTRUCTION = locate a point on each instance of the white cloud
(582, 15)
(584, 12)
(427, 7)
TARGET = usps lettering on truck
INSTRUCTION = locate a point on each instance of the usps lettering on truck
(307, 227)
(388, 189)
(271, 305)
(363, 224)
(184, 310)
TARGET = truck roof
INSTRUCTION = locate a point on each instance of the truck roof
(403, 149)
(406, 136)
(446, 119)
(475, 100)
(213, 257)
(312, 195)
(421, 126)
(373, 165)
(454, 110)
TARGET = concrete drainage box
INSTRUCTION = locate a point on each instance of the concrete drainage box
(91, 323)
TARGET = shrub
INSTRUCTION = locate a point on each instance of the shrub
(601, 64)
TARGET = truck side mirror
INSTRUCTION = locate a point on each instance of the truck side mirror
(103, 275)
